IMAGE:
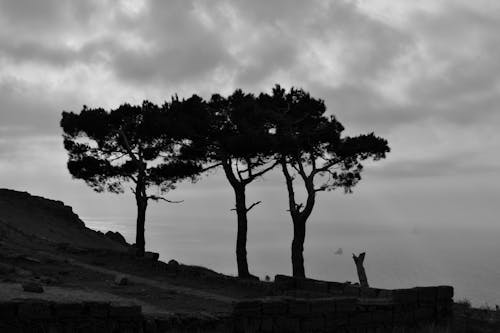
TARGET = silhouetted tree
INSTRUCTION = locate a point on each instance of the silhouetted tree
(231, 132)
(311, 148)
(130, 144)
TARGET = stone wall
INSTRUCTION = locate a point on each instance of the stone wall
(347, 314)
(341, 307)
(332, 307)
(45, 316)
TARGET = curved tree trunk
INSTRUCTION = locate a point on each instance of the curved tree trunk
(299, 234)
(241, 239)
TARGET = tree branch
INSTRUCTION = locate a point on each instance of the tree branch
(260, 173)
(238, 171)
(211, 167)
(253, 205)
(157, 197)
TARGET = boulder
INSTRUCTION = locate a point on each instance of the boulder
(173, 264)
(116, 236)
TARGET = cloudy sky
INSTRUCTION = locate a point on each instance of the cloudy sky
(423, 74)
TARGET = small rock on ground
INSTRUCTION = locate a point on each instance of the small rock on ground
(121, 280)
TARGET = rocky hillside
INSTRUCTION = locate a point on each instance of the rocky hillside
(24, 216)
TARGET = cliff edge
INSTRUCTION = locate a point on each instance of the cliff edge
(24, 216)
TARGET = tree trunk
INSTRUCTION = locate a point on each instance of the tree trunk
(241, 239)
(299, 234)
(363, 281)
(142, 204)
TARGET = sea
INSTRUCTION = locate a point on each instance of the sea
(396, 257)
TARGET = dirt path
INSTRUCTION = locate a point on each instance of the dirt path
(148, 282)
(11, 291)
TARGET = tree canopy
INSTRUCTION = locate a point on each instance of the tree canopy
(310, 146)
(232, 132)
(130, 144)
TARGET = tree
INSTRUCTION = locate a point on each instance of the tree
(130, 144)
(231, 132)
(311, 147)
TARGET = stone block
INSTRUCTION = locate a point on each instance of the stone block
(313, 324)
(97, 309)
(299, 307)
(165, 324)
(385, 293)
(248, 324)
(404, 317)
(405, 296)
(274, 307)
(323, 306)
(248, 307)
(267, 324)
(288, 324)
(335, 321)
(351, 290)
(360, 318)
(68, 309)
(34, 310)
(382, 316)
(335, 288)
(149, 326)
(427, 295)
(315, 286)
(424, 314)
(125, 311)
(346, 305)
(284, 282)
(369, 292)
(444, 292)
(8, 310)
(129, 326)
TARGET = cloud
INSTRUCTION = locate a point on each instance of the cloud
(436, 62)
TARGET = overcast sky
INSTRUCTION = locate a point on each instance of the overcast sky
(423, 74)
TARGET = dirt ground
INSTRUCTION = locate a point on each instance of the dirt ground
(74, 274)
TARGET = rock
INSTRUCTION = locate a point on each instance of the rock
(116, 236)
(151, 256)
(49, 280)
(173, 265)
(23, 272)
(32, 287)
(132, 249)
(121, 280)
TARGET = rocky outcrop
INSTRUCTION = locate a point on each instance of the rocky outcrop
(25, 217)
(117, 237)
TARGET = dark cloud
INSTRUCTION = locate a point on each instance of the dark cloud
(375, 76)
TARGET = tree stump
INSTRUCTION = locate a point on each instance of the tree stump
(358, 260)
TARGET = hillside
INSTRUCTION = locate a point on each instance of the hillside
(24, 217)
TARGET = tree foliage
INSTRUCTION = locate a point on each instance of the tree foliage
(232, 132)
(128, 145)
(310, 146)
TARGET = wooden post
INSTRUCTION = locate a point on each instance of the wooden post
(358, 260)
